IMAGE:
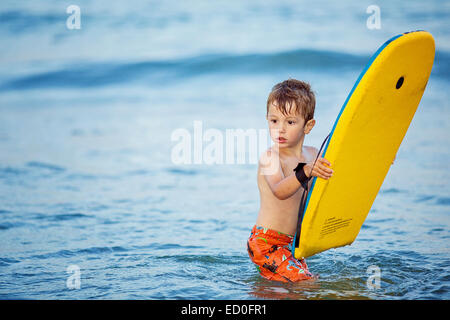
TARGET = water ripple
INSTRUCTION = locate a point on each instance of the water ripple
(445, 201)
(43, 165)
(78, 252)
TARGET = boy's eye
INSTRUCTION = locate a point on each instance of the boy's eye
(273, 121)
(291, 122)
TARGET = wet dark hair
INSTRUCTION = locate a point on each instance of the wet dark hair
(293, 93)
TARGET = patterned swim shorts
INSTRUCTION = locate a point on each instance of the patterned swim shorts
(271, 252)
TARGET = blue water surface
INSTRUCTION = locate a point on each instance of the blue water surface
(86, 171)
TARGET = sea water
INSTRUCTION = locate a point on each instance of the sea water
(92, 205)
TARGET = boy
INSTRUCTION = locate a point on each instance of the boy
(284, 171)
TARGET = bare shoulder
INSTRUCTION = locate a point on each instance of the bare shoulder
(312, 151)
(268, 156)
(269, 162)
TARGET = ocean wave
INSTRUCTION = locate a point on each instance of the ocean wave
(90, 75)
(157, 72)
(7, 261)
(76, 252)
(9, 225)
(445, 201)
(43, 165)
(18, 21)
(61, 217)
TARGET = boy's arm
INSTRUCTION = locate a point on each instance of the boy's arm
(284, 187)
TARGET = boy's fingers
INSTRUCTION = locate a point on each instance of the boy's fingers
(322, 173)
(327, 169)
(321, 160)
(325, 161)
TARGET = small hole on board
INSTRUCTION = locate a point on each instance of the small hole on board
(399, 83)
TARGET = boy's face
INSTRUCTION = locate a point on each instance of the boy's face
(287, 130)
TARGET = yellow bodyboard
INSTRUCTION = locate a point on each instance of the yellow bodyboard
(364, 141)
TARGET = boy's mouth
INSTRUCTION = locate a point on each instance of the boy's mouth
(281, 140)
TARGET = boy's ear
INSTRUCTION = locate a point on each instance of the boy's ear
(309, 125)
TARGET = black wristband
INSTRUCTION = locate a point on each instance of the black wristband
(301, 175)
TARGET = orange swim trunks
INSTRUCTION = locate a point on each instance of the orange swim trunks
(271, 252)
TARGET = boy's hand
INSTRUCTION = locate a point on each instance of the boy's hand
(321, 169)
